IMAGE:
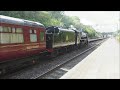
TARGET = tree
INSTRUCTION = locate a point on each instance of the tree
(52, 18)
(67, 21)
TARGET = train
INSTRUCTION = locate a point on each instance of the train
(60, 40)
(20, 38)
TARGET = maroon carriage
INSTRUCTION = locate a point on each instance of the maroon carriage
(20, 38)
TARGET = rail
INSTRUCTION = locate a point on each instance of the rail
(58, 66)
(92, 40)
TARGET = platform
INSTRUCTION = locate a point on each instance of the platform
(102, 63)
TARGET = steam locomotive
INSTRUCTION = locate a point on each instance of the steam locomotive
(21, 38)
(59, 40)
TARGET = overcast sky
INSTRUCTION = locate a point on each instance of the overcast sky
(102, 21)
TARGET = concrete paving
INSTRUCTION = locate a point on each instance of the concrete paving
(102, 63)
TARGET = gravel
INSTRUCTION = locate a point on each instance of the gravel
(45, 65)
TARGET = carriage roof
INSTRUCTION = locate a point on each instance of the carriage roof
(17, 21)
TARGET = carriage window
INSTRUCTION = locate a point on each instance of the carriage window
(33, 36)
(42, 36)
(6, 36)
(0, 28)
(31, 31)
(34, 31)
(13, 30)
(17, 38)
(5, 29)
(19, 30)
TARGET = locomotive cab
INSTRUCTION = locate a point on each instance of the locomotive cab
(50, 31)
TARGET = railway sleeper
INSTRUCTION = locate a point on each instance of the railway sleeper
(11, 66)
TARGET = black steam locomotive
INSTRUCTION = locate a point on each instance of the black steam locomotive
(59, 40)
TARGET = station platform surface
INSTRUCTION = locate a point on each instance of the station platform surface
(102, 63)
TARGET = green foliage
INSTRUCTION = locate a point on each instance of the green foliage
(67, 21)
(90, 31)
(52, 18)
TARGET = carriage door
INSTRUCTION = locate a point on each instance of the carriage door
(49, 40)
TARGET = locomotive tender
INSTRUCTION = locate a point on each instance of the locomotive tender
(21, 38)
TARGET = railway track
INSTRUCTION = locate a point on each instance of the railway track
(43, 73)
(59, 70)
